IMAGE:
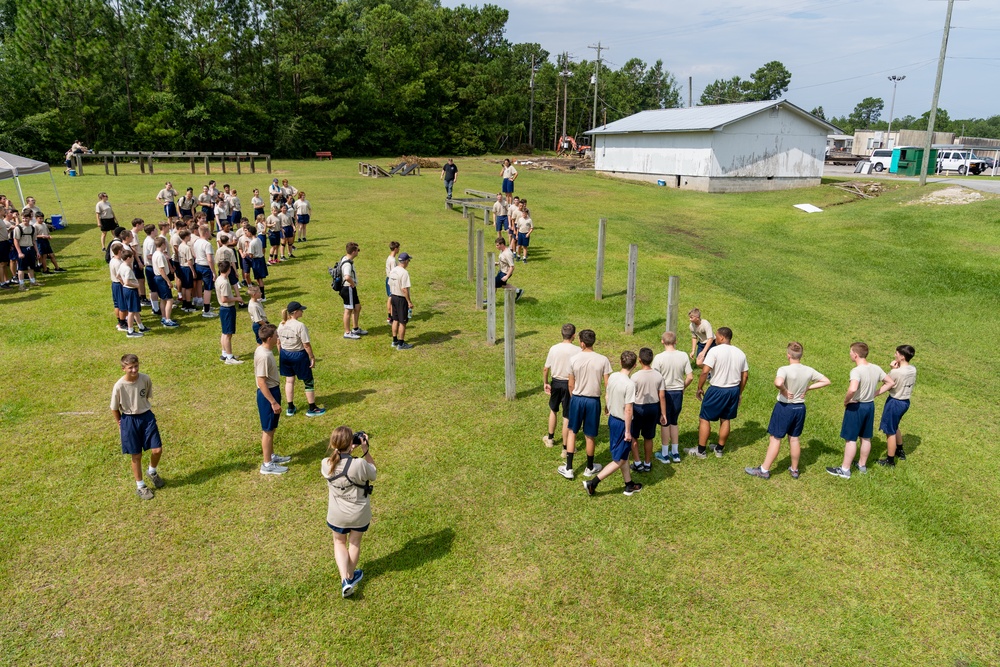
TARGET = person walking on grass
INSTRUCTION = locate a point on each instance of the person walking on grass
(349, 294)
(402, 303)
(650, 410)
(722, 400)
(500, 221)
(303, 210)
(268, 399)
(449, 174)
(105, 218)
(557, 362)
(587, 370)
(675, 368)
(505, 263)
(525, 227)
(296, 358)
(390, 263)
(619, 406)
(789, 413)
(904, 374)
(131, 408)
(859, 411)
(349, 513)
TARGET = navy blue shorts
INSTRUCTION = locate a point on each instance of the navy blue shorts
(170, 210)
(559, 398)
(345, 531)
(388, 292)
(233, 278)
(645, 419)
(209, 212)
(227, 318)
(787, 419)
(502, 223)
(245, 264)
(257, 211)
(256, 331)
(44, 247)
(585, 411)
(150, 278)
(295, 364)
(303, 219)
(5, 250)
(187, 278)
(675, 401)
(130, 300)
(288, 231)
(508, 186)
(28, 261)
(236, 217)
(720, 403)
(116, 295)
(204, 273)
(523, 239)
(259, 266)
(139, 433)
(499, 282)
(274, 238)
(185, 213)
(859, 421)
(892, 413)
(268, 417)
(616, 431)
(162, 289)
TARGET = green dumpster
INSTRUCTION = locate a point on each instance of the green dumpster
(906, 161)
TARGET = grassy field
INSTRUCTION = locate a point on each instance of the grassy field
(479, 552)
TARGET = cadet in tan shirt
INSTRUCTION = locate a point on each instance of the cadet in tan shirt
(227, 311)
(268, 399)
(905, 376)
(505, 262)
(675, 367)
(525, 227)
(702, 336)
(296, 358)
(587, 370)
(621, 397)
(650, 410)
(557, 363)
(137, 423)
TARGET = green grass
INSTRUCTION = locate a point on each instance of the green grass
(479, 553)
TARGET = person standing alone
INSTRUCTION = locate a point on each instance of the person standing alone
(449, 174)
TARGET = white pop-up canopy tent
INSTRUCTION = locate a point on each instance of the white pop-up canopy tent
(14, 166)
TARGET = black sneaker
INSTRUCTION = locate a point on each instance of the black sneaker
(591, 486)
(517, 295)
(635, 466)
(900, 454)
(647, 467)
(60, 270)
(632, 487)
(887, 462)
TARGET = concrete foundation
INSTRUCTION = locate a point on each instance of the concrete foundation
(719, 184)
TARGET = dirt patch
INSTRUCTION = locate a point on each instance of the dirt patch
(422, 162)
(951, 196)
(696, 241)
(553, 163)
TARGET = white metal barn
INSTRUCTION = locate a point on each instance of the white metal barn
(772, 145)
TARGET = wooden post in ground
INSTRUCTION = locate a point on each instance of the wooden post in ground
(672, 295)
(106, 172)
(480, 247)
(510, 378)
(150, 164)
(79, 163)
(207, 170)
(633, 263)
(491, 302)
(599, 280)
(142, 163)
(192, 165)
(239, 170)
(268, 158)
(253, 167)
(114, 163)
(223, 163)
(486, 216)
(472, 250)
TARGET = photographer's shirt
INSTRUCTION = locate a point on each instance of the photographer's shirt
(349, 506)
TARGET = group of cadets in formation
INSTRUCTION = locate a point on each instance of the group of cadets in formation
(25, 245)
(637, 402)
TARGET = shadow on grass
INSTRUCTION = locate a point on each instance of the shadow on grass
(530, 392)
(741, 436)
(434, 337)
(424, 315)
(614, 484)
(652, 324)
(415, 553)
(205, 474)
(343, 398)
(811, 451)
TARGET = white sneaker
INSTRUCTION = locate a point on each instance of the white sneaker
(590, 472)
(351, 335)
(209, 314)
(565, 472)
(272, 468)
(232, 361)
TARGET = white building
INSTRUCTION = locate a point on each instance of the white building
(772, 145)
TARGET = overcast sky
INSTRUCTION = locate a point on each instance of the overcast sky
(838, 51)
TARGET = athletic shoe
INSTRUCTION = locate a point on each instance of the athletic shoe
(23, 287)
(47, 271)
(591, 486)
(222, 358)
(4, 285)
(358, 574)
(636, 466)
(121, 328)
(134, 334)
(243, 283)
(143, 328)
(272, 468)
(517, 295)
(144, 302)
(388, 320)
(209, 314)
(661, 458)
(565, 472)
(262, 299)
(863, 469)
(547, 441)
(233, 361)
(525, 260)
(351, 335)
(291, 255)
(590, 472)
(403, 346)
(394, 344)
(315, 413)
(38, 283)
(693, 451)
(757, 472)
(291, 411)
(157, 480)
(280, 460)
(675, 458)
(632, 487)
(60, 270)
(145, 493)
(794, 473)
(718, 451)
(839, 472)
(170, 323)
(887, 462)
(190, 310)
(346, 588)
(360, 332)
(900, 454)
(647, 467)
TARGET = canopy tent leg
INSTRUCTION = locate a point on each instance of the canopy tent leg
(58, 198)
(17, 182)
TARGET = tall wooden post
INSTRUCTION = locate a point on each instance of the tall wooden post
(207, 170)
(509, 364)
(472, 240)
(192, 165)
(633, 262)
(599, 280)
(268, 158)
(486, 216)
(114, 163)
(150, 164)
(672, 294)
(79, 164)
(480, 248)
(142, 163)
(223, 163)
(239, 169)
(491, 303)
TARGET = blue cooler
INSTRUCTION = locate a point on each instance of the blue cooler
(57, 222)
(71, 172)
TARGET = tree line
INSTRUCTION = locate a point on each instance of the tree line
(867, 115)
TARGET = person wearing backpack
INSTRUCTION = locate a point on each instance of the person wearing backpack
(27, 252)
(349, 293)
(349, 512)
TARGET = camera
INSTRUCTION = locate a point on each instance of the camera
(359, 438)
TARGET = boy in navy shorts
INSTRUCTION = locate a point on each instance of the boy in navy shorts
(620, 399)
(586, 371)
(650, 410)
(268, 399)
(137, 423)
(557, 363)
(905, 376)
(675, 368)
(789, 413)
(227, 312)
(859, 410)
(729, 369)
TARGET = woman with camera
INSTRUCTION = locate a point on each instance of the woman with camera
(349, 480)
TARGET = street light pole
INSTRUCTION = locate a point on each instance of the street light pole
(531, 113)
(892, 107)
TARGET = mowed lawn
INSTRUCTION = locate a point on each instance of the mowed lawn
(479, 553)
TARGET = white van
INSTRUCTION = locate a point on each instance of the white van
(964, 162)
(881, 159)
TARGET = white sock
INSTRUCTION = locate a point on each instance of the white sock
(20, 281)
(151, 470)
(674, 447)
(140, 484)
(763, 469)
(156, 307)
(130, 329)
(33, 281)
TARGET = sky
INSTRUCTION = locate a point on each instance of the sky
(838, 51)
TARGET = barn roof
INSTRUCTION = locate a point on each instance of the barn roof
(700, 119)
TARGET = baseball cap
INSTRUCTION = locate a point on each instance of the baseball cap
(294, 305)
(405, 257)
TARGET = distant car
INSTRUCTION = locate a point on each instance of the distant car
(990, 162)
(964, 162)
(881, 159)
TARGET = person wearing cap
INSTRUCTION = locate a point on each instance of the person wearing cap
(274, 189)
(296, 358)
(399, 289)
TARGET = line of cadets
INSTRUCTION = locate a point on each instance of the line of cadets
(638, 402)
(25, 245)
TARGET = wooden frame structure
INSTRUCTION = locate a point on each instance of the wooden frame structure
(145, 159)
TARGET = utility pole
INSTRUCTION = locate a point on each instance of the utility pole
(597, 71)
(690, 90)
(566, 74)
(892, 107)
(937, 94)
(555, 126)
(531, 113)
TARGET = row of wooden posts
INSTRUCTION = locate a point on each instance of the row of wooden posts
(479, 269)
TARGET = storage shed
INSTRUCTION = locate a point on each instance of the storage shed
(751, 146)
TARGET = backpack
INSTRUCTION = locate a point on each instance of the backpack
(337, 273)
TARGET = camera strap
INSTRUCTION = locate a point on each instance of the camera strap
(366, 487)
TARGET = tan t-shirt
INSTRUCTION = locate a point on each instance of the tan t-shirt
(648, 385)
(399, 280)
(256, 310)
(390, 263)
(302, 207)
(126, 276)
(727, 363)
(621, 392)
(588, 370)
(254, 248)
(185, 256)
(499, 208)
(293, 335)
(702, 332)
(509, 172)
(132, 398)
(674, 367)
(798, 377)
(506, 260)
(160, 262)
(223, 290)
(103, 210)
(558, 359)
(113, 266)
(513, 213)
(167, 195)
(272, 223)
(349, 507)
(265, 367)
(225, 253)
(905, 378)
(868, 376)
(525, 225)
